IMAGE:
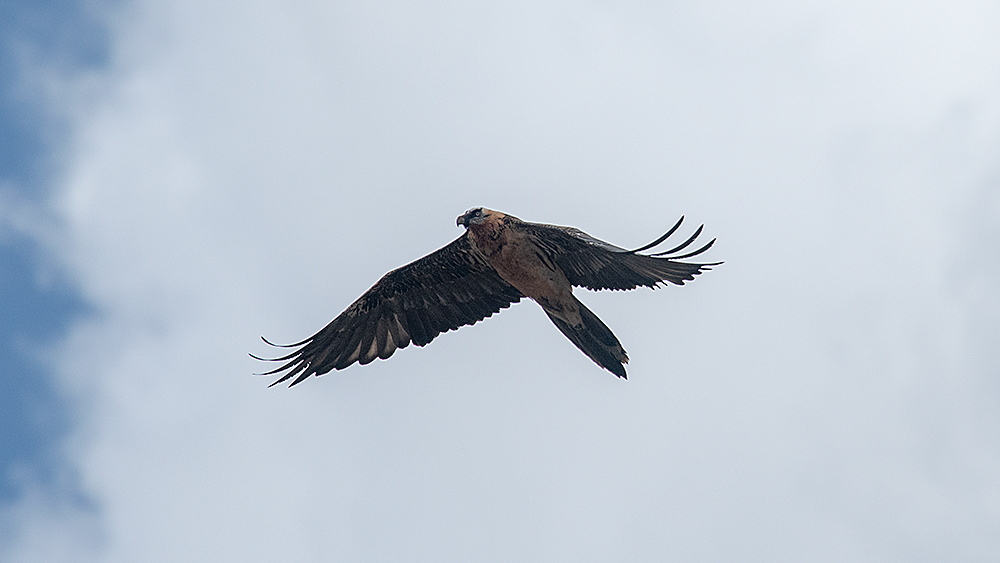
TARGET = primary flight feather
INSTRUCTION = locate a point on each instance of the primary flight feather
(496, 262)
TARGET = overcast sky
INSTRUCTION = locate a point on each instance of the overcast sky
(188, 176)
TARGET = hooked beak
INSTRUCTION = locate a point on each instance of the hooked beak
(460, 222)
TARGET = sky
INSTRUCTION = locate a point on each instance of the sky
(40, 302)
(179, 178)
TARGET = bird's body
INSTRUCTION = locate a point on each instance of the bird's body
(499, 260)
(520, 262)
(516, 259)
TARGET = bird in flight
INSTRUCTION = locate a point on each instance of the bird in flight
(497, 261)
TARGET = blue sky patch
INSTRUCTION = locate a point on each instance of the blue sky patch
(69, 37)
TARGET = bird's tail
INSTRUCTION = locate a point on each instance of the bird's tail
(594, 339)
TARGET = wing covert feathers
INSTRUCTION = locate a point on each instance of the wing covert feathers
(442, 291)
(594, 264)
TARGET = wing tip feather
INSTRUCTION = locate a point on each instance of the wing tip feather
(661, 239)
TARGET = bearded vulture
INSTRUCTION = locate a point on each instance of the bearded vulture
(497, 261)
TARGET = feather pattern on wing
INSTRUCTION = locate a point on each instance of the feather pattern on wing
(449, 288)
(594, 264)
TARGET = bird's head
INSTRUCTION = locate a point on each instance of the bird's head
(474, 216)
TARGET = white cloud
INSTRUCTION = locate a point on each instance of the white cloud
(819, 396)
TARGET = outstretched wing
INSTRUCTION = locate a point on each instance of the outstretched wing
(595, 264)
(447, 289)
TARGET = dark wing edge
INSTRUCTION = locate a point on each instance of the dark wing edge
(447, 289)
(594, 264)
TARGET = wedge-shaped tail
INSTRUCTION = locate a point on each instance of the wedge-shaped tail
(594, 339)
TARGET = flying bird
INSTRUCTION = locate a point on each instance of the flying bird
(497, 261)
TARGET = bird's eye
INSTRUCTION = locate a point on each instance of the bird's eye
(479, 212)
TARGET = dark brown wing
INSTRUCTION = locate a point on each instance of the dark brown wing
(442, 291)
(595, 264)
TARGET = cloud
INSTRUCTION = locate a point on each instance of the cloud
(819, 396)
